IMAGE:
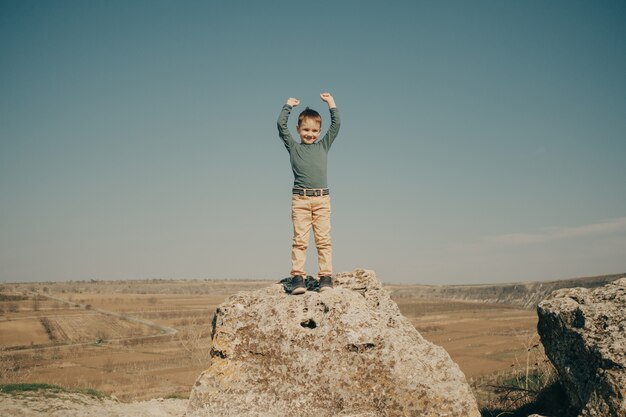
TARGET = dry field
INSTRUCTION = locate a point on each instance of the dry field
(146, 339)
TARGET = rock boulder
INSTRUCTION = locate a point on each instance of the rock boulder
(584, 335)
(343, 352)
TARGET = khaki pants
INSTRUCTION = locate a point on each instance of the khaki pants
(306, 212)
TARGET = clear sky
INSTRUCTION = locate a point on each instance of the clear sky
(481, 141)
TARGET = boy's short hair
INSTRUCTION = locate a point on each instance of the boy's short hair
(309, 114)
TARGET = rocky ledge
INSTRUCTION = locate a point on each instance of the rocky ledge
(584, 335)
(343, 352)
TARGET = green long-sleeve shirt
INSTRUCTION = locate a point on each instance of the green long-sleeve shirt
(308, 162)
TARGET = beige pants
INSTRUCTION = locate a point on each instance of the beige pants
(306, 212)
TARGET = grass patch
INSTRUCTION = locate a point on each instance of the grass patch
(530, 386)
(17, 388)
(532, 383)
(177, 396)
(550, 401)
(519, 395)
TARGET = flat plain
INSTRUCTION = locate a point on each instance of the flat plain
(139, 340)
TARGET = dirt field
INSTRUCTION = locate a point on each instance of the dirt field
(481, 338)
(139, 340)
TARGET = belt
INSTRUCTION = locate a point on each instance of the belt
(315, 192)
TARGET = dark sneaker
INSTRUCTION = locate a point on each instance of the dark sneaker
(326, 283)
(297, 285)
(312, 284)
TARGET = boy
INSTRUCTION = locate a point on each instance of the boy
(310, 201)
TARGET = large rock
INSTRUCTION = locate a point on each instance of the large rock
(343, 352)
(584, 335)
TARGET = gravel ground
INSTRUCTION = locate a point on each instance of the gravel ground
(44, 404)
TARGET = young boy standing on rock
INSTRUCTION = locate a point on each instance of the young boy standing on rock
(310, 201)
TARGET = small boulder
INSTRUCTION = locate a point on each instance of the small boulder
(584, 335)
(344, 352)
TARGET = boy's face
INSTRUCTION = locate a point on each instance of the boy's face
(309, 130)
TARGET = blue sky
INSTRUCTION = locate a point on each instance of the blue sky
(481, 141)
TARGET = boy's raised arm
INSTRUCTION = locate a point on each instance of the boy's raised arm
(283, 130)
(335, 121)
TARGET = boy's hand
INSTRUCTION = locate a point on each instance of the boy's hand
(328, 99)
(293, 102)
